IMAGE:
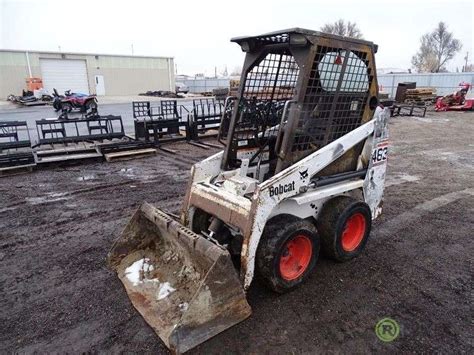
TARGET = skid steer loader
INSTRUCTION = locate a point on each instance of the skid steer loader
(303, 169)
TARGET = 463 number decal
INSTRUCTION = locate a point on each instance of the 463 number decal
(379, 155)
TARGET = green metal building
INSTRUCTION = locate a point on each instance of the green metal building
(100, 74)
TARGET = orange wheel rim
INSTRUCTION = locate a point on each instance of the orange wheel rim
(296, 257)
(354, 232)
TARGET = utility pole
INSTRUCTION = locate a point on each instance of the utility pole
(132, 48)
(466, 58)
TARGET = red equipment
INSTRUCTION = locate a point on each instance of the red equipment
(456, 101)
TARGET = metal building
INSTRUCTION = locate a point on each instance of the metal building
(99, 74)
(444, 83)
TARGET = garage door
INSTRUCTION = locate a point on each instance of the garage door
(64, 74)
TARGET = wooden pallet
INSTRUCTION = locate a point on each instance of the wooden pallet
(129, 154)
(421, 90)
(16, 170)
(421, 97)
(64, 154)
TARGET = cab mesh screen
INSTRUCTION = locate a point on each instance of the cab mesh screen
(268, 86)
(336, 96)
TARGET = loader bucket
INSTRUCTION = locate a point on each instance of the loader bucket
(185, 286)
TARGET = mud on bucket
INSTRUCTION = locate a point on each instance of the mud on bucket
(184, 286)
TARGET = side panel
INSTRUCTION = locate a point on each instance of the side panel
(287, 184)
(309, 204)
(207, 168)
(375, 179)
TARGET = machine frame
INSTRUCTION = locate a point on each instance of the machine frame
(246, 185)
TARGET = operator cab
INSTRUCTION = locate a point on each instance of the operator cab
(299, 91)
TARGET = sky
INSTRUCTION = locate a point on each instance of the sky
(197, 33)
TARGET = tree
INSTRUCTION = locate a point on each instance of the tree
(436, 49)
(468, 68)
(343, 28)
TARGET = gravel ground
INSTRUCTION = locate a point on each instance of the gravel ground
(57, 225)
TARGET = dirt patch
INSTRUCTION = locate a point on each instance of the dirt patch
(57, 225)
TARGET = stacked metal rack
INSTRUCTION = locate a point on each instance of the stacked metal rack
(85, 138)
(59, 140)
(170, 122)
(104, 137)
(162, 123)
(16, 154)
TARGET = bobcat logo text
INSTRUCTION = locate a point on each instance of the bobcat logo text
(280, 189)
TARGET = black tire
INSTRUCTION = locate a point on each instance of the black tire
(337, 242)
(57, 105)
(66, 107)
(91, 105)
(278, 232)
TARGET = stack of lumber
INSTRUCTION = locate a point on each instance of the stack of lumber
(269, 92)
(421, 95)
(234, 87)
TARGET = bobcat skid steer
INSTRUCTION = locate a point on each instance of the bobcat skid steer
(303, 169)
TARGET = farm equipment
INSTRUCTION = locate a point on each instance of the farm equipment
(303, 169)
(456, 101)
(34, 95)
(74, 101)
(38, 97)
